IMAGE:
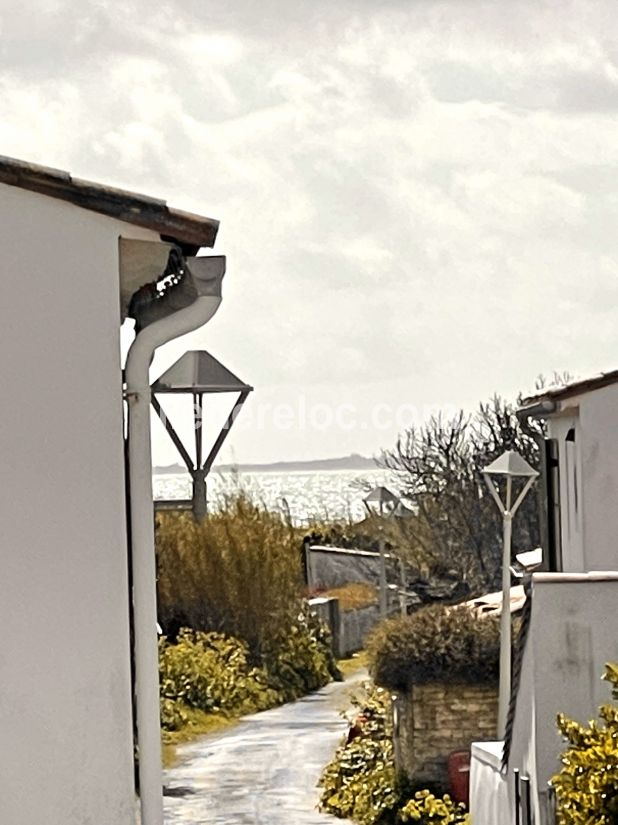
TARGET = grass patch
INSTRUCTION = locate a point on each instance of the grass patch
(198, 723)
(354, 595)
(353, 664)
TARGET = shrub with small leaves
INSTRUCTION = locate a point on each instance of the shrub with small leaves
(587, 785)
(360, 783)
(437, 643)
(173, 714)
(300, 660)
(213, 672)
(427, 809)
(210, 672)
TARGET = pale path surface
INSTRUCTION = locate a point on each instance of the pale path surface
(264, 770)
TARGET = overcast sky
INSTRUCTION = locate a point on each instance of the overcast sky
(418, 200)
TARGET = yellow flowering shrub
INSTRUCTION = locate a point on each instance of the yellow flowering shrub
(587, 785)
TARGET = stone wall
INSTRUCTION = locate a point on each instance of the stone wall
(431, 721)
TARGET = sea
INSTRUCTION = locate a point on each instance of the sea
(305, 496)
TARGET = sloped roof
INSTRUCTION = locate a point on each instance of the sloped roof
(198, 370)
(596, 382)
(140, 210)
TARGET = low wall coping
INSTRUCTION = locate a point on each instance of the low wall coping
(489, 753)
(344, 551)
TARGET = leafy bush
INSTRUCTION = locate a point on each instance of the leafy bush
(213, 673)
(300, 660)
(209, 672)
(237, 573)
(361, 782)
(587, 785)
(428, 809)
(174, 714)
(437, 643)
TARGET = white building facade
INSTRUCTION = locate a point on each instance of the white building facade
(65, 665)
(570, 619)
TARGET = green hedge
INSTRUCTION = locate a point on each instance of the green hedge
(209, 672)
(587, 785)
(435, 644)
(213, 673)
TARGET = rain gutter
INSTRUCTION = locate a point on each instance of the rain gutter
(140, 355)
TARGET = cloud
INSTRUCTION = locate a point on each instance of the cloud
(415, 196)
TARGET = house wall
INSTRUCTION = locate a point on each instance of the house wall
(433, 720)
(65, 698)
(588, 480)
(598, 413)
(574, 631)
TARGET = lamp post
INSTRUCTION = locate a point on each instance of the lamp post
(510, 465)
(381, 503)
(198, 373)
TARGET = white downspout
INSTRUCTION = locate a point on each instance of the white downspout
(142, 540)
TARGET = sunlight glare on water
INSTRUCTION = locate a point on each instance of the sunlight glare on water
(310, 496)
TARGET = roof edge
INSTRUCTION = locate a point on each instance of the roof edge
(585, 385)
(130, 207)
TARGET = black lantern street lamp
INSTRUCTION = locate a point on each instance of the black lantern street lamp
(198, 373)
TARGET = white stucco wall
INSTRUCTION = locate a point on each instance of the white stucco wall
(589, 520)
(574, 632)
(66, 756)
(489, 789)
(598, 414)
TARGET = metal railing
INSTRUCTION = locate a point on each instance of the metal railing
(524, 814)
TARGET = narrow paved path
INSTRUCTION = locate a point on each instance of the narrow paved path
(264, 770)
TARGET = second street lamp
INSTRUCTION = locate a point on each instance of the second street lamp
(380, 504)
(508, 466)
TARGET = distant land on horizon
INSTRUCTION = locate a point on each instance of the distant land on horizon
(348, 462)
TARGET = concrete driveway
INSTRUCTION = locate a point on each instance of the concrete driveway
(264, 770)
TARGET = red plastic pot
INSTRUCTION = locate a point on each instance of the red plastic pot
(458, 765)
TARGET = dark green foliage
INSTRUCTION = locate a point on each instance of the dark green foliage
(235, 581)
(435, 644)
(361, 783)
(210, 672)
(587, 785)
(301, 660)
(213, 673)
